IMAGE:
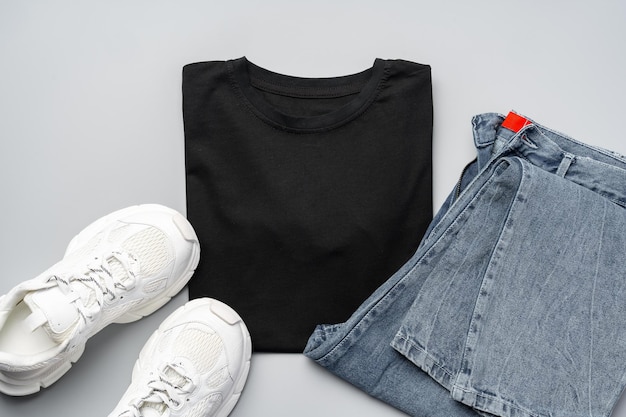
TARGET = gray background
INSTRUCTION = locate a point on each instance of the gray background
(90, 121)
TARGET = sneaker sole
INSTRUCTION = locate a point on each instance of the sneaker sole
(18, 389)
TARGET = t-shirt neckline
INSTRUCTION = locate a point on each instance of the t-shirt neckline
(248, 78)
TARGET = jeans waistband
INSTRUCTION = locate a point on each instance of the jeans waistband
(597, 169)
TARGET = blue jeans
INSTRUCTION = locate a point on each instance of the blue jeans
(515, 302)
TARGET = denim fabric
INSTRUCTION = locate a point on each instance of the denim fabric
(513, 303)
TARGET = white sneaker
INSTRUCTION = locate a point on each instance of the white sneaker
(118, 269)
(195, 365)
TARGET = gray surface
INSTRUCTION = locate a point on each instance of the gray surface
(90, 121)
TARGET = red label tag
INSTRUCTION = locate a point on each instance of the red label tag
(515, 122)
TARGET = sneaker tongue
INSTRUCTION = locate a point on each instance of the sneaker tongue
(53, 310)
(174, 377)
(118, 271)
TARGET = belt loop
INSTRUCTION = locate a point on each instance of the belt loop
(567, 160)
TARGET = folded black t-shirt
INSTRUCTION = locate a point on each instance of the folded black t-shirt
(306, 193)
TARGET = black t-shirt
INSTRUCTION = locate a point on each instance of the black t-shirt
(306, 193)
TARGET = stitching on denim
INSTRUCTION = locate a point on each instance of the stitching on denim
(621, 203)
(606, 152)
(495, 399)
(485, 284)
(603, 151)
(591, 308)
(429, 355)
(511, 209)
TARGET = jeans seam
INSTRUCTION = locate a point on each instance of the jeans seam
(610, 154)
(429, 355)
(483, 292)
(492, 398)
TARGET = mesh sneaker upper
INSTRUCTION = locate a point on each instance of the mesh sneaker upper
(194, 365)
(118, 269)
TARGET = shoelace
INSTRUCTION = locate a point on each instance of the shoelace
(97, 282)
(169, 390)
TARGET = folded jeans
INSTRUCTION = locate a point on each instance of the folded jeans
(511, 306)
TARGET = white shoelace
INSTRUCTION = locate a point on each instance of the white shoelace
(97, 282)
(169, 390)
